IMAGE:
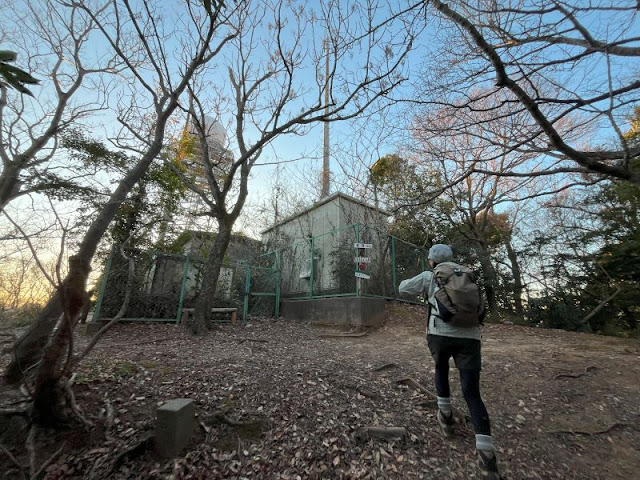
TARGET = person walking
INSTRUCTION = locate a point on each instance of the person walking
(463, 344)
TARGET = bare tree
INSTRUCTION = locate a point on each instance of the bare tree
(276, 86)
(21, 283)
(451, 149)
(553, 61)
(140, 37)
(55, 41)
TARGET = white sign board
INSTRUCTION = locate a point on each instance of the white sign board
(366, 276)
(362, 245)
(362, 260)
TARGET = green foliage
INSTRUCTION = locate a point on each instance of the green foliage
(402, 188)
(124, 370)
(13, 76)
(151, 204)
(388, 170)
(61, 188)
(495, 227)
(560, 311)
(177, 246)
(617, 262)
(599, 269)
(86, 158)
(131, 219)
(91, 152)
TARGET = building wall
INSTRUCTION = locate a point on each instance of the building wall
(333, 252)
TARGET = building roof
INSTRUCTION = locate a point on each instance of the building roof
(322, 202)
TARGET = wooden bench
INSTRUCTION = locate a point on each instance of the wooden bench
(220, 315)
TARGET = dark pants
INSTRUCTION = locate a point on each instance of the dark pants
(467, 356)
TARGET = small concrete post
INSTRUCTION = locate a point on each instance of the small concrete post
(174, 426)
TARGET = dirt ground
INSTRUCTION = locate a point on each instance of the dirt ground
(285, 400)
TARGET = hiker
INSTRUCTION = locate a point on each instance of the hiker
(446, 340)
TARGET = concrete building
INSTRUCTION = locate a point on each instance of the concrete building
(319, 257)
(167, 272)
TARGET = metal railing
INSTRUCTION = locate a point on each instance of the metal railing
(164, 285)
(357, 260)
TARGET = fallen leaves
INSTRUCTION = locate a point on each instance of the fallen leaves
(313, 397)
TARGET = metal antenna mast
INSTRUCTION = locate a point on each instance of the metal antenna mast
(325, 152)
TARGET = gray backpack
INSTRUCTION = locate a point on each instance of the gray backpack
(458, 299)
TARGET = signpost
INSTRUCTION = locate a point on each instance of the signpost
(361, 263)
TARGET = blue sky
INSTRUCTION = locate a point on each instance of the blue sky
(366, 141)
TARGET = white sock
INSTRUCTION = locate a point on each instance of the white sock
(485, 443)
(444, 404)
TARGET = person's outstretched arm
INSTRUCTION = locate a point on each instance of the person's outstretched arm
(415, 285)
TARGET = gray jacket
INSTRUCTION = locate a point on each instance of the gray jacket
(424, 284)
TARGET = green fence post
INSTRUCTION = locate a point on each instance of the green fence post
(278, 279)
(103, 285)
(393, 266)
(356, 251)
(183, 287)
(247, 287)
(312, 268)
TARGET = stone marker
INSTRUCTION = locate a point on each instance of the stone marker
(174, 425)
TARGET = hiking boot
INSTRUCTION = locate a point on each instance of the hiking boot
(488, 465)
(446, 423)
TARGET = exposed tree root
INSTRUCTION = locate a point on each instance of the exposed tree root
(31, 449)
(48, 462)
(220, 417)
(418, 386)
(576, 375)
(384, 367)
(364, 391)
(156, 340)
(71, 400)
(132, 452)
(109, 412)
(260, 340)
(343, 335)
(595, 432)
(13, 460)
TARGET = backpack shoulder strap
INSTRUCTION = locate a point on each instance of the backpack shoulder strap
(443, 271)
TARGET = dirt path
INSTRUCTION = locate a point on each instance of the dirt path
(309, 395)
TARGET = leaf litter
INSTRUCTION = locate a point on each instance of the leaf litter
(283, 400)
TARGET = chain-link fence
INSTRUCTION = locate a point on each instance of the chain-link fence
(160, 286)
(357, 260)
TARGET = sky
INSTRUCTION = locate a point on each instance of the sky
(354, 145)
(298, 156)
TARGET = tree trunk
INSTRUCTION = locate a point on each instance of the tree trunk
(28, 348)
(48, 392)
(517, 277)
(9, 184)
(201, 320)
(489, 274)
